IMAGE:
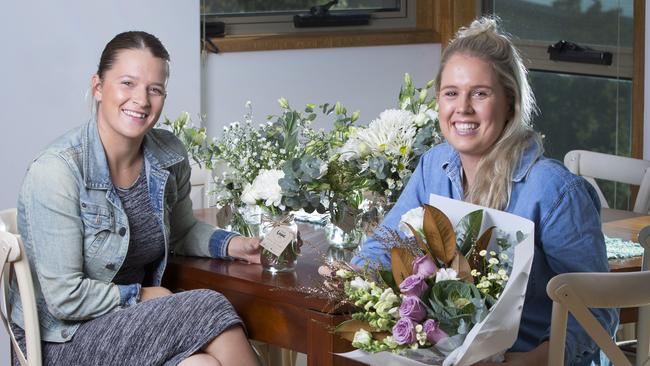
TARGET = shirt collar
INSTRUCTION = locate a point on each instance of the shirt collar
(452, 165)
(96, 174)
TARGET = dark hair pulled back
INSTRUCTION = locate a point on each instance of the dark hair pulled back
(132, 40)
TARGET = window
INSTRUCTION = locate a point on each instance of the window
(263, 17)
(582, 105)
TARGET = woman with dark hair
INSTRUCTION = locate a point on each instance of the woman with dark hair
(100, 211)
(493, 157)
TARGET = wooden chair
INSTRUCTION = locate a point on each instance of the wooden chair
(14, 263)
(590, 165)
(577, 292)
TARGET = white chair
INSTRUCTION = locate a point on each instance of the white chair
(200, 180)
(577, 292)
(590, 165)
(14, 262)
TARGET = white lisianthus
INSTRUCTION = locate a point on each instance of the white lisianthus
(392, 133)
(446, 274)
(413, 217)
(359, 283)
(388, 296)
(361, 337)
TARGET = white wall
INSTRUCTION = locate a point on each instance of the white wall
(49, 51)
(361, 78)
(49, 55)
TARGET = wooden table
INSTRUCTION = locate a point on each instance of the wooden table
(275, 313)
(625, 225)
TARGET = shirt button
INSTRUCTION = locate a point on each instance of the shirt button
(110, 266)
(122, 231)
(83, 205)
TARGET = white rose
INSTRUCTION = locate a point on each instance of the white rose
(248, 195)
(446, 274)
(415, 218)
(362, 337)
(350, 150)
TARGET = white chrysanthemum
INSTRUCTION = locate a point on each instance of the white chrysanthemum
(264, 187)
(413, 217)
(392, 133)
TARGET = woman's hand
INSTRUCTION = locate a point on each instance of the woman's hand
(246, 249)
(536, 357)
(148, 293)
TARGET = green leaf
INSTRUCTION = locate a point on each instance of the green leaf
(388, 278)
(467, 230)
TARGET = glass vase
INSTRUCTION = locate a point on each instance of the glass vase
(245, 219)
(344, 230)
(286, 261)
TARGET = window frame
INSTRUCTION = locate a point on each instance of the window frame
(627, 63)
(435, 22)
(282, 22)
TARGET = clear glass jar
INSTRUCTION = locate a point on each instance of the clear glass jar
(286, 262)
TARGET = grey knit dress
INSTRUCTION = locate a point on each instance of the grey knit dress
(162, 331)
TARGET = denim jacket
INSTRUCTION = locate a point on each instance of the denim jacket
(568, 235)
(76, 233)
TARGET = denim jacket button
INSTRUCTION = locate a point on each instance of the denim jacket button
(64, 333)
(110, 266)
(122, 231)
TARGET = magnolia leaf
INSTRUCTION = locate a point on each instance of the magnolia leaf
(348, 328)
(467, 230)
(475, 260)
(462, 267)
(401, 263)
(440, 234)
(484, 240)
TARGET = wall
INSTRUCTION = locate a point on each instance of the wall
(50, 50)
(361, 78)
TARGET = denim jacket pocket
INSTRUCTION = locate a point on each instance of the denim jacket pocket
(98, 224)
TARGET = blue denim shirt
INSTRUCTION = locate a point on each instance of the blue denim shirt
(568, 235)
(76, 233)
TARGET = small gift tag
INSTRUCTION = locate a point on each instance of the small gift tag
(278, 239)
(224, 216)
(348, 220)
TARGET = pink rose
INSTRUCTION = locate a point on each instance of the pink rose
(412, 308)
(433, 331)
(424, 266)
(413, 285)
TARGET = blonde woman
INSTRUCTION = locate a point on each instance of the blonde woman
(492, 157)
